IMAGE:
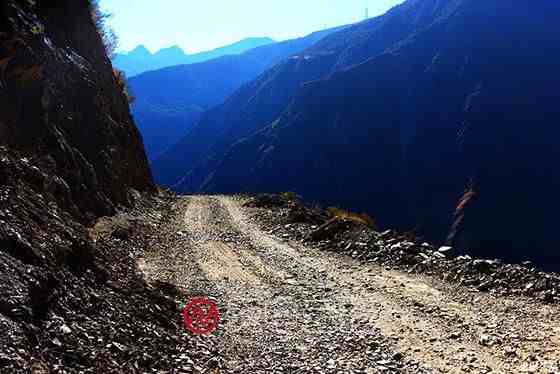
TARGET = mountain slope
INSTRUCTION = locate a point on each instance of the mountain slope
(186, 165)
(170, 101)
(140, 60)
(450, 132)
(435, 117)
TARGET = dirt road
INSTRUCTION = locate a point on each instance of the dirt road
(291, 309)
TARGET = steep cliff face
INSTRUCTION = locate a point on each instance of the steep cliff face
(69, 153)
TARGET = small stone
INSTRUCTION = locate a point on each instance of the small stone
(485, 286)
(65, 330)
(510, 351)
(119, 346)
(213, 363)
(439, 255)
(484, 340)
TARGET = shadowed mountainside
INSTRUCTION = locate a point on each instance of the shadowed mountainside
(446, 129)
(257, 104)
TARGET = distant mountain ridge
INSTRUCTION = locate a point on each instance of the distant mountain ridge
(170, 101)
(140, 59)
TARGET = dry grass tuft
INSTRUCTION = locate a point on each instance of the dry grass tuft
(465, 199)
(122, 82)
(289, 196)
(361, 218)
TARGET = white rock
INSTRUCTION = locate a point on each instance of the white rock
(65, 329)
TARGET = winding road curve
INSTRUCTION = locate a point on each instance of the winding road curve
(287, 308)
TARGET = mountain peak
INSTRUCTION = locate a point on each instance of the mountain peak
(141, 50)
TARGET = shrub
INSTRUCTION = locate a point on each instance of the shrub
(362, 218)
(107, 34)
(465, 199)
(289, 196)
(24, 74)
(122, 82)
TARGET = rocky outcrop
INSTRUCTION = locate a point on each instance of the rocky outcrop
(62, 109)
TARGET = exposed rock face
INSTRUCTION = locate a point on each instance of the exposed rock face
(61, 109)
(69, 153)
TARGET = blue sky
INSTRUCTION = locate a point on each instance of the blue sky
(205, 24)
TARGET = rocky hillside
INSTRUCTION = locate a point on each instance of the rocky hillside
(69, 153)
(64, 119)
(445, 130)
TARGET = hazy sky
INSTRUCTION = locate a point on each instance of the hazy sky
(206, 24)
